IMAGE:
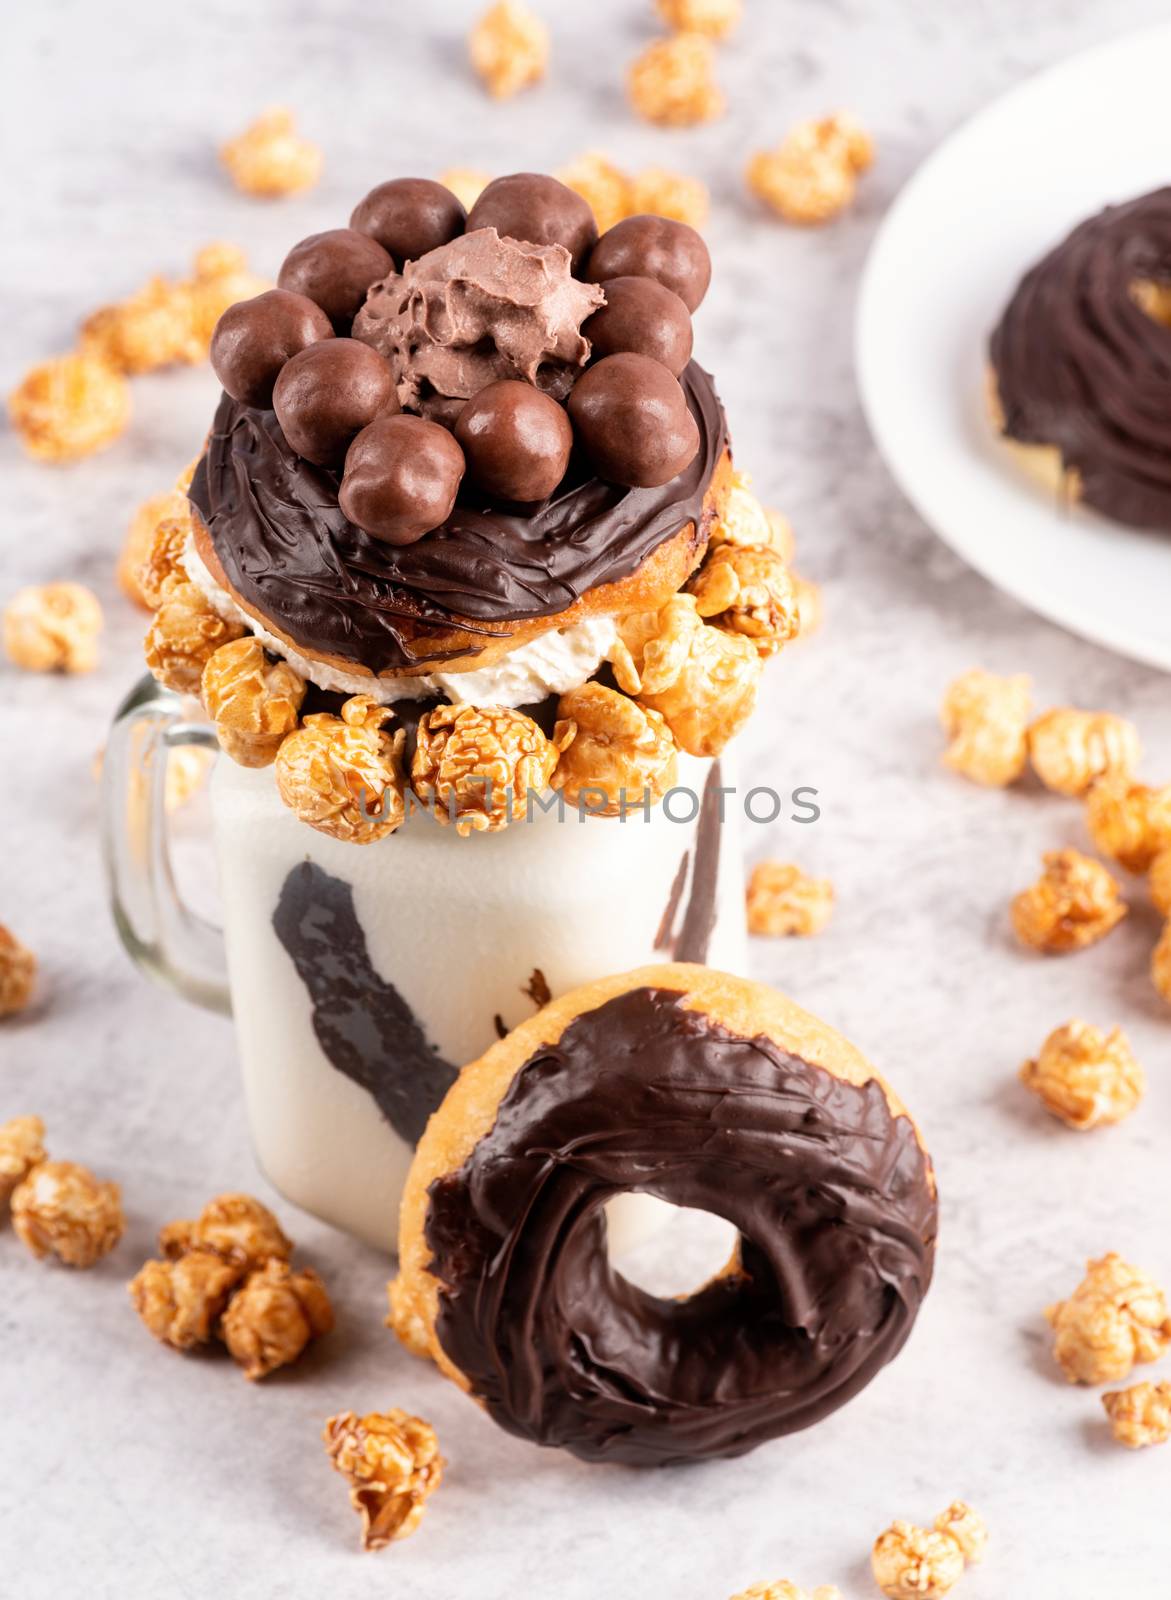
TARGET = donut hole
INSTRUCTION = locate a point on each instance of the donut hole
(666, 1251)
(1153, 298)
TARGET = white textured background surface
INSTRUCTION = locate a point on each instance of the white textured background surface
(129, 1472)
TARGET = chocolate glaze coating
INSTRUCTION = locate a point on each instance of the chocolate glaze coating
(401, 478)
(288, 549)
(538, 209)
(327, 394)
(334, 269)
(829, 1191)
(1081, 366)
(645, 317)
(409, 216)
(654, 247)
(632, 420)
(516, 441)
(254, 338)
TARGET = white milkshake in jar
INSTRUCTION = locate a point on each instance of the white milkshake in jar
(467, 567)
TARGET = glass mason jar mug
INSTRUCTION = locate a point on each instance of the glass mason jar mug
(360, 978)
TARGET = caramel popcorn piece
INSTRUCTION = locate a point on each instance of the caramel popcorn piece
(236, 1227)
(1070, 749)
(783, 901)
(185, 634)
(658, 192)
(1086, 1077)
(151, 328)
(475, 765)
(270, 158)
(1141, 1415)
(393, 1465)
(22, 1147)
(812, 175)
(221, 277)
(467, 184)
(615, 754)
(405, 1320)
(1129, 822)
(1159, 882)
(673, 82)
(509, 48)
(747, 589)
(604, 187)
(53, 627)
(784, 1590)
(1116, 1317)
(1161, 963)
(63, 1210)
(781, 535)
(986, 721)
(69, 407)
(18, 973)
(181, 1301)
(967, 1528)
(343, 775)
(810, 608)
(273, 1317)
(1073, 904)
(164, 557)
(252, 701)
(139, 544)
(715, 18)
(702, 680)
(744, 520)
(911, 1563)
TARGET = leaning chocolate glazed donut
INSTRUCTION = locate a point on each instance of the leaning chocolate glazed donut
(1081, 364)
(706, 1091)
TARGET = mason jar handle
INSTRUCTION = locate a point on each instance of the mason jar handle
(163, 936)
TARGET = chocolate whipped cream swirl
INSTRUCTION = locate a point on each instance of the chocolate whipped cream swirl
(475, 310)
(830, 1192)
(1080, 365)
(288, 550)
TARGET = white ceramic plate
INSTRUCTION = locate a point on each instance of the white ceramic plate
(991, 200)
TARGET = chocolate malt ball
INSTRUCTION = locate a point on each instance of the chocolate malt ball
(401, 479)
(516, 440)
(645, 317)
(654, 247)
(539, 210)
(409, 216)
(327, 394)
(254, 338)
(633, 421)
(335, 269)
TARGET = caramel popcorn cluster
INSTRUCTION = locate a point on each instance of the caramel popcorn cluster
(613, 194)
(61, 1209)
(226, 1274)
(986, 720)
(615, 753)
(343, 775)
(1128, 821)
(138, 548)
(747, 589)
(1073, 904)
(254, 704)
(782, 901)
(22, 1147)
(701, 679)
(1115, 1318)
(912, 1563)
(509, 48)
(53, 627)
(1141, 1415)
(270, 158)
(184, 635)
(1071, 749)
(69, 407)
(784, 1590)
(1086, 1077)
(166, 323)
(475, 765)
(18, 973)
(673, 82)
(812, 175)
(716, 18)
(164, 558)
(392, 1463)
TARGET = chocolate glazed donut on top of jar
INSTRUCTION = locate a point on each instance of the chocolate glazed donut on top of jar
(442, 573)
